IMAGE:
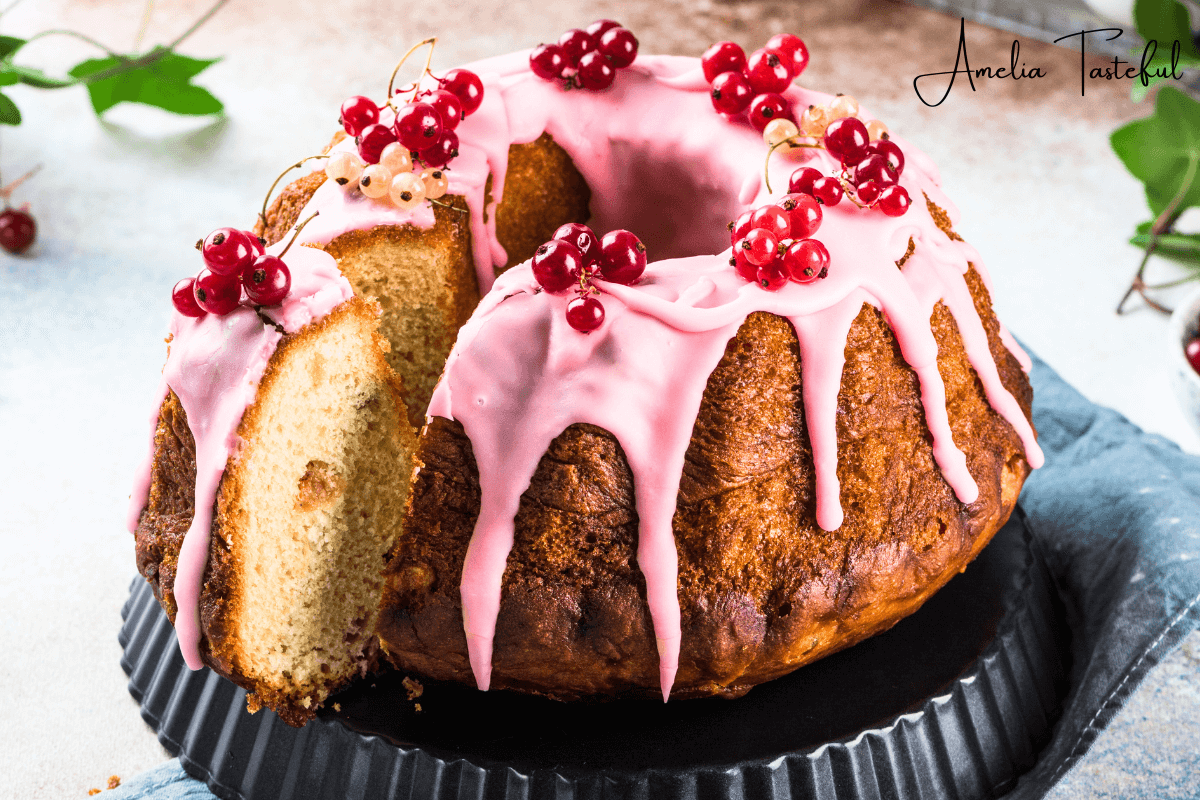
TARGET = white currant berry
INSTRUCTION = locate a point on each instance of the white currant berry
(779, 131)
(407, 191)
(876, 130)
(814, 120)
(344, 168)
(436, 183)
(396, 158)
(375, 180)
(842, 106)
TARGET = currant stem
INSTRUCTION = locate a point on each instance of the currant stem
(262, 215)
(6, 191)
(296, 235)
(432, 42)
(1162, 224)
(448, 205)
(792, 141)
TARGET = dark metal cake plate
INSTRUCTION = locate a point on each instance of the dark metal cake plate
(954, 701)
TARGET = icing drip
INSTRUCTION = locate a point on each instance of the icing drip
(518, 376)
(214, 366)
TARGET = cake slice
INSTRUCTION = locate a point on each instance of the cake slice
(310, 504)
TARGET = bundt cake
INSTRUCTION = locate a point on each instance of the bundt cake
(728, 477)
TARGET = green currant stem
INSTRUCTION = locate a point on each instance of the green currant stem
(1161, 225)
(262, 215)
(1169, 284)
(432, 42)
(296, 235)
(793, 143)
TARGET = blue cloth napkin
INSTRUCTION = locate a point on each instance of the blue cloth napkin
(1116, 512)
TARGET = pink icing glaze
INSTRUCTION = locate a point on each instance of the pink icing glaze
(214, 365)
(662, 164)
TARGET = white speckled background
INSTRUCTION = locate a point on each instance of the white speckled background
(121, 202)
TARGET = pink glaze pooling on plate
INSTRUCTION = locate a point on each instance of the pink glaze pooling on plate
(214, 365)
(661, 163)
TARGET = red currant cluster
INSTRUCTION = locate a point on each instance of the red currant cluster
(772, 244)
(422, 131)
(424, 126)
(755, 84)
(574, 257)
(586, 59)
(869, 174)
(234, 262)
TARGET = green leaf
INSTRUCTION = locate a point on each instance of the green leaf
(10, 45)
(1181, 247)
(165, 83)
(36, 78)
(1165, 21)
(9, 113)
(1160, 149)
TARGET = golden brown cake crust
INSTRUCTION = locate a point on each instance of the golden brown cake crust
(762, 589)
(171, 506)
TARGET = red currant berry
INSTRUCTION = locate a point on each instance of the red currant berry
(582, 237)
(601, 27)
(767, 107)
(893, 201)
(874, 168)
(1191, 351)
(889, 150)
(227, 251)
(556, 265)
(759, 246)
(742, 266)
(595, 73)
(792, 47)
(184, 298)
(575, 43)
(802, 179)
(868, 192)
(357, 113)
(772, 276)
(267, 281)
(217, 294)
(448, 106)
(548, 61)
(722, 57)
(259, 245)
(466, 86)
(441, 153)
(371, 141)
(17, 230)
(804, 212)
(827, 191)
(741, 226)
(622, 257)
(731, 93)
(585, 314)
(619, 46)
(417, 126)
(773, 219)
(846, 140)
(806, 260)
(767, 72)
